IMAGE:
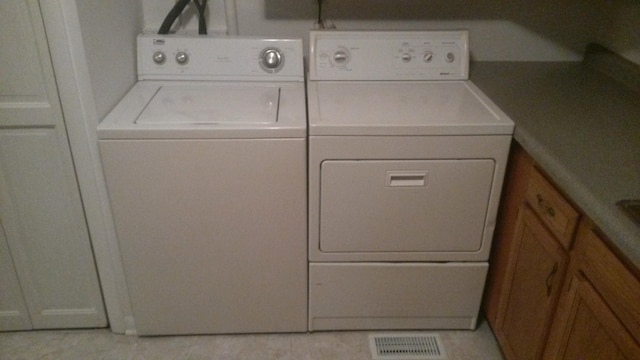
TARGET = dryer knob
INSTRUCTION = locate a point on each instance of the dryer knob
(428, 57)
(450, 57)
(340, 57)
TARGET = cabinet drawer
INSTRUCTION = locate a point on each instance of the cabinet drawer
(552, 208)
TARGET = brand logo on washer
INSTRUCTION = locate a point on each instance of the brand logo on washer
(158, 41)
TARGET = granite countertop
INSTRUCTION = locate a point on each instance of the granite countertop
(583, 128)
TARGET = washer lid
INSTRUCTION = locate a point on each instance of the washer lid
(212, 105)
(155, 109)
(403, 108)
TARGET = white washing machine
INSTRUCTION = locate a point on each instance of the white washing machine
(406, 164)
(205, 163)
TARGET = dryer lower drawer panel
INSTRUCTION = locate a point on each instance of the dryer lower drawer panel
(346, 296)
(373, 206)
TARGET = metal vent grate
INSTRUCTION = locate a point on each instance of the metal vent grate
(407, 346)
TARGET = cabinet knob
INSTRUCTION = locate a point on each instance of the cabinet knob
(543, 204)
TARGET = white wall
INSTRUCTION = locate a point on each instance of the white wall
(515, 30)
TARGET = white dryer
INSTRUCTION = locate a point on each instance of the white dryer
(205, 163)
(406, 164)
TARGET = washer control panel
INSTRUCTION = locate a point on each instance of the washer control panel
(173, 57)
(389, 55)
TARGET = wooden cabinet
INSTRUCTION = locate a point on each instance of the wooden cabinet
(556, 289)
(598, 316)
(537, 264)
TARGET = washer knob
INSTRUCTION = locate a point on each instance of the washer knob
(428, 56)
(182, 58)
(271, 58)
(406, 57)
(159, 57)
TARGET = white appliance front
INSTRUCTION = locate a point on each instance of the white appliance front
(406, 164)
(212, 232)
(383, 295)
(404, 198)
(207, 184)
(424, 205)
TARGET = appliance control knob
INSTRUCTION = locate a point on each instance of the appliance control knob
(428, 56)
(182, 58)
(406, 57)
(271, 58)
(159, 57)
(340, 58)
(450, 57)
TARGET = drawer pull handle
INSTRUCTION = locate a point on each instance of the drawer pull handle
(548, 209)
(554, 270)
(407, 178)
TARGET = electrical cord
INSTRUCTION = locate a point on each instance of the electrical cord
(320, 21)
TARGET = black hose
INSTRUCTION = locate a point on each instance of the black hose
(172, 16)
(202, 20)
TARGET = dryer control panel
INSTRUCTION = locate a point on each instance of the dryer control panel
(389, 55)
(180, 57)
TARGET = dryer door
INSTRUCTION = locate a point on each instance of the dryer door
(384, 206)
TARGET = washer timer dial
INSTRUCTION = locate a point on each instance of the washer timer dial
(271, 59)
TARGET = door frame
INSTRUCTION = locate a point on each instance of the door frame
(63, 30)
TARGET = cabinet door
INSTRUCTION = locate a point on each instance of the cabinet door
(536, 267)
(591, 330)
(40, 205)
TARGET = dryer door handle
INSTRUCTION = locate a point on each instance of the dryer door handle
(406, 178)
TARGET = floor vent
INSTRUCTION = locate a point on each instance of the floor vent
(407, 346)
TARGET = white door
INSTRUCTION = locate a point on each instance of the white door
(40, 206)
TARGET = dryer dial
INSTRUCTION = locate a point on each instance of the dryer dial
(340, 57)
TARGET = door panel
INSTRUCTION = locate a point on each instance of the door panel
(40, 204)
(28, 96)
(404, 206)
(13, 310)
(44, 223)
(532, 287)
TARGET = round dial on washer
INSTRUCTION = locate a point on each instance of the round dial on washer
(159, 57)
(271, 59)
(182, 58)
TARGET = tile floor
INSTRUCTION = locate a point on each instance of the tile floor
(102, 344)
